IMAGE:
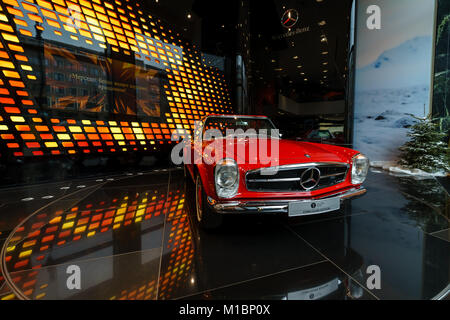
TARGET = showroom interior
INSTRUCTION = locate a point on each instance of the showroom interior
(95, 94)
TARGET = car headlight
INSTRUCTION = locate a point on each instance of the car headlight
(360, 167)
(226, 177)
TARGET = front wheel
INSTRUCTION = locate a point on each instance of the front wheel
(206, 216)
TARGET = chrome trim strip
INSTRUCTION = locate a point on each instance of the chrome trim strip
(275, 180)
(277, 206)
(443, 294)
(333, 175)
(299, 166)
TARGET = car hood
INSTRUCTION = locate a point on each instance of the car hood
(290, 151)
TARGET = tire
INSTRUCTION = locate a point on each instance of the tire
(207, 218)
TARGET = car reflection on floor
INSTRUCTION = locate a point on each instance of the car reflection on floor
(137, 238)
(255, 240)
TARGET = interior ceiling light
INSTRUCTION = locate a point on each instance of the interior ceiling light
(323, 39)
(295, 58)
(299, 66)
(325, 63)
(322, 23)
(325, 52)
(325, 71)
(189, 16)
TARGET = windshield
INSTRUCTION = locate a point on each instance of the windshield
(250, 125)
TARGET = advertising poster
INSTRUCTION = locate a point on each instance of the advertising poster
(394, 49)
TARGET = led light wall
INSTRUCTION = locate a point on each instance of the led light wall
(108, 29)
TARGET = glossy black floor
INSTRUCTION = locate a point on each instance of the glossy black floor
(133, 237)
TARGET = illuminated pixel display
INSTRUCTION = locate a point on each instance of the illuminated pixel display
(113, 30)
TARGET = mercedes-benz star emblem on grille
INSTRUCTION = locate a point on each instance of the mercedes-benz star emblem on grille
(310, 178)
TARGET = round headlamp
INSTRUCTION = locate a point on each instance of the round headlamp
(226, 176)
(360, 168)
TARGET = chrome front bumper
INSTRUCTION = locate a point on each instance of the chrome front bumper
(274, 206)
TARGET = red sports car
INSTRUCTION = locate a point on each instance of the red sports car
(301, 178)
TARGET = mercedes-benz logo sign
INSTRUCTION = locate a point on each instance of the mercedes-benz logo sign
(289, 18)
(310, 178)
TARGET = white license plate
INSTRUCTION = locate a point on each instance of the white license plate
(306, 207)
(316, 292)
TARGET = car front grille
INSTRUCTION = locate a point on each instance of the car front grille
(289, 178)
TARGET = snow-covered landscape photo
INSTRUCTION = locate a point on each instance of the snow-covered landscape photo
(383, 124)
(392, 79)
(388, 91)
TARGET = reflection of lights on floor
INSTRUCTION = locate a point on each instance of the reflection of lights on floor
(9, 297)
(32, 244)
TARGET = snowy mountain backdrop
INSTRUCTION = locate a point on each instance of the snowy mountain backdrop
(404, 66)
(395, 85)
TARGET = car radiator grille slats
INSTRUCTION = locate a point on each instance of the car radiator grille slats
(288, 178)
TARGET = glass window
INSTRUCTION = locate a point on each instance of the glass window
(441, 95)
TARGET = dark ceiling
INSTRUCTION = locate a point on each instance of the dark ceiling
(312, 61)
(316, 56)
